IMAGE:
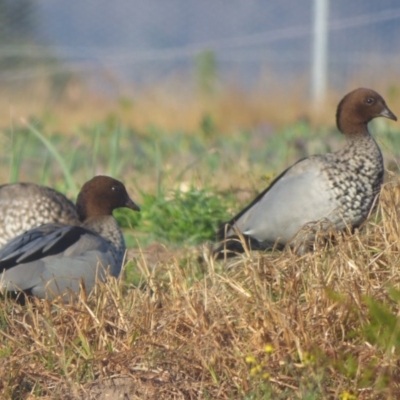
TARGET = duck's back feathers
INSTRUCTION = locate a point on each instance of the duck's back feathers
(25, 206)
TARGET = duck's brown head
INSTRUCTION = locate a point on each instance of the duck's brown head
(101, 196)
(358, 108)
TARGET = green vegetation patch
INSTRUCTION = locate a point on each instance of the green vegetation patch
(178, 217)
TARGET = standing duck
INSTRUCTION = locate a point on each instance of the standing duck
(335, 189)
(25, 206)
(48, 260)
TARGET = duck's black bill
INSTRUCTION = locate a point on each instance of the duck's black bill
(388, 114)
(133, 206)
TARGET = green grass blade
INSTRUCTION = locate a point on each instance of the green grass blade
(53, 151)
(115, 156)
(17, 150)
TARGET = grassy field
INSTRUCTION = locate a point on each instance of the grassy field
(179, 325)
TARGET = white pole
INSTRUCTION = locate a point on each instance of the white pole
(320, 53)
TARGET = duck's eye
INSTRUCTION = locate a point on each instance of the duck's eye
(114, 188)
(369, 100)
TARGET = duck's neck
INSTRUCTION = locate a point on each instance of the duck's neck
(360, 137)
(360, 148)
(108, 228)
(353, 128)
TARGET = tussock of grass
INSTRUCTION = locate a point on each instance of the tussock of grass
(275, 325)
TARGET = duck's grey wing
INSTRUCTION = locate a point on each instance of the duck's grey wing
(86, 259)
(46, 240)
(300, 195)
(221, 233)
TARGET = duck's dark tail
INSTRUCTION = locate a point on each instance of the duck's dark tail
(231, 245)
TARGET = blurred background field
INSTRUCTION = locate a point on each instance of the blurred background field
(184, 97)
(177, 63)
(196, 106)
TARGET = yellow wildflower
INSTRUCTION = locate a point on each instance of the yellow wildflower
(347, 396)
(250, 360)
(268, 348)
(256, 370)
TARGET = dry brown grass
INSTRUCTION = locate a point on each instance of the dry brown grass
(173, 104)
(200, 331)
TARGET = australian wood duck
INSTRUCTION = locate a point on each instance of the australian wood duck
(336, 189)
(48, 260)
(25, 206)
